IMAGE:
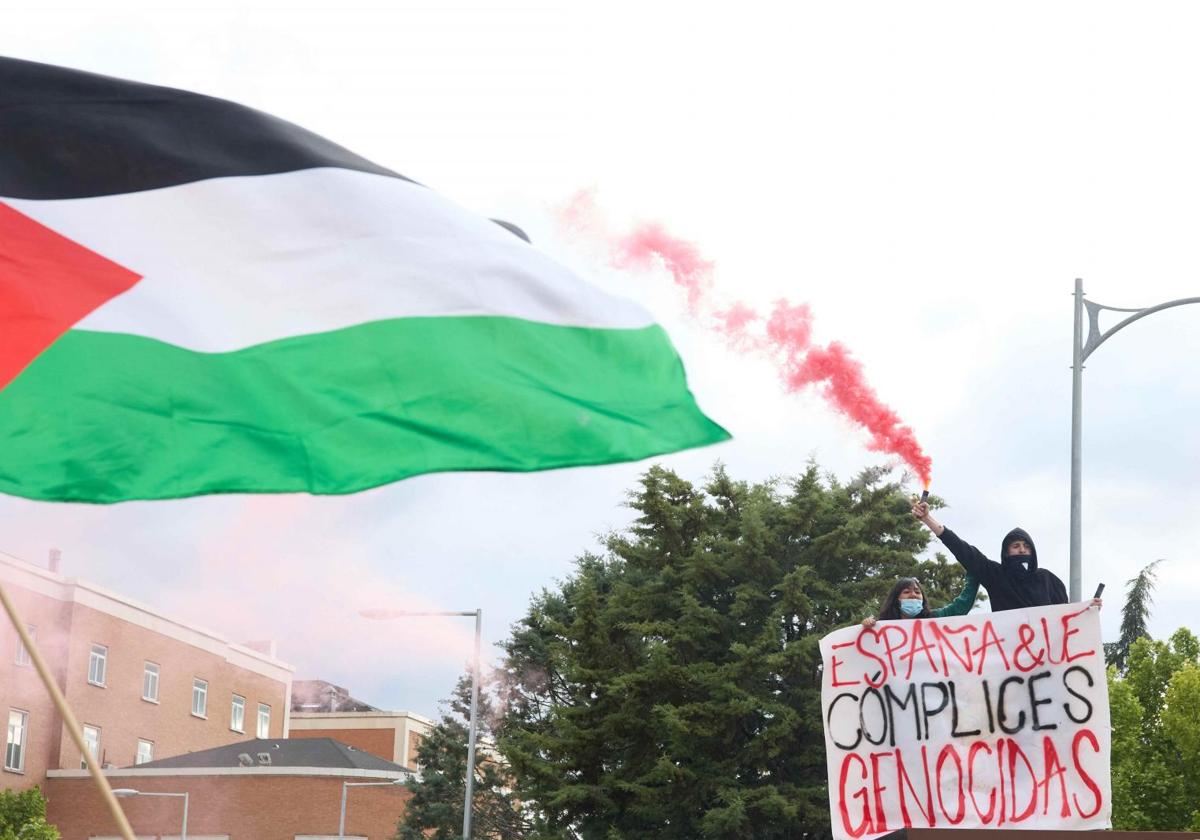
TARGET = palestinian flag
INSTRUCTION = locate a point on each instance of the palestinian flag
(196, 297)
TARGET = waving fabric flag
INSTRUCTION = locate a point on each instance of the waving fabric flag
(196, 297)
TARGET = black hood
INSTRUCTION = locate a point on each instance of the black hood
(1010, 584)
(1012, 565)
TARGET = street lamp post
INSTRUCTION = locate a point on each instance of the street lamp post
(468, 798)
(342, 815)
(1080, 351)
(128, 792)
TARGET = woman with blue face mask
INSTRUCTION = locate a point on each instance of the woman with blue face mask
(907, 600)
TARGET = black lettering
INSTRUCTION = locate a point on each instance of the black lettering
(910, 696)
(1000, 706)
(987, 704)
(925, 710)
(1035, 701)
(1067, 685)
(829, 723)
(954, 717)
(883, 716)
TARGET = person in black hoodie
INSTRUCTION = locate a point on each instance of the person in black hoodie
(1013, 583)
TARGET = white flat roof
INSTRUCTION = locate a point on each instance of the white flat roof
(330, 717)
(22, 573)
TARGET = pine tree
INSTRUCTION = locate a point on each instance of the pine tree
(435, 811)
(1134, 616)
(671, 686)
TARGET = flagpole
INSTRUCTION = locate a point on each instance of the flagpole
(93, 762)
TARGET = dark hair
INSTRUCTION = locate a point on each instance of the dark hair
(891, 604)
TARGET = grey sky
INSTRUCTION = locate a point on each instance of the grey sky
(930, 177)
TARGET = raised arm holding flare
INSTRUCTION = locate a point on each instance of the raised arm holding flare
(1013, 583)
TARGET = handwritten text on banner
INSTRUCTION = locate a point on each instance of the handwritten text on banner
(993, 720)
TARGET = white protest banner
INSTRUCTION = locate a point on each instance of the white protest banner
(988, 720)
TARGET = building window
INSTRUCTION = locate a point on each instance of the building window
(237, 714)
(200, 697)
(91, 737)
(150, 682)
(98, 665)
(264, 721)
(145, 752)
(23, 654)
(14, 753)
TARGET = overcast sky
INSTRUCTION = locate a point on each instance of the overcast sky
(929, 177)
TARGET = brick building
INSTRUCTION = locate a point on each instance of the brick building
(265, 789)
(323, 710)
(143, 685)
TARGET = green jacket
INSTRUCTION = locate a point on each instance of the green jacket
(963, 603)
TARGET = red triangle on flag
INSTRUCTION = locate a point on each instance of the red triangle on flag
(48, 283)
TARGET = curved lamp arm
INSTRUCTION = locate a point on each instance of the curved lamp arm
(1096, 337)
(1081, 350)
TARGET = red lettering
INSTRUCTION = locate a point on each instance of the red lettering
(1050, 660)
(945, 643)
(1015, 751)
(949, 750)
(1000, 772)
(975, 748)
(834, 662)
(1025, 639)
(880, 814)
(863, 827)
(987, 640)
(1054, 767)
(1068, 632)
(1087, 780)
(881, 676)
(927, 811)
(918, 635)
(889, 648)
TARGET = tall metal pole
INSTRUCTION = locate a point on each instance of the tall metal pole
(469, 787)
(469, 799)
(1076, 446)
(1079, 354)
(185, 801)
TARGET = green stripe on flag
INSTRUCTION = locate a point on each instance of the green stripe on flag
(107, 417)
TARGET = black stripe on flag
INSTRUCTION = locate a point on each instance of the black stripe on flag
(69, 134)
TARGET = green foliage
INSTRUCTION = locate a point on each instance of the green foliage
(1156, 735)
(1134, 616)
(23, 816)
(671, 687)
(435, 811)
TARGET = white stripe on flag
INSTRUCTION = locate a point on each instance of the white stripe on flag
(233, 262)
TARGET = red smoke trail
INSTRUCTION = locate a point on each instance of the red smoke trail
(784, 336)
(648, 245)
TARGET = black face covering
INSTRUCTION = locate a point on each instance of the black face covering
(1018, 564)
(1020, 568)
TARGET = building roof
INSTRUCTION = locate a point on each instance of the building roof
(52, 584)
(280, 752)
(322, 696)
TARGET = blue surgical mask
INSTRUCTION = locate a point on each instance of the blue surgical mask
(911, 607)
